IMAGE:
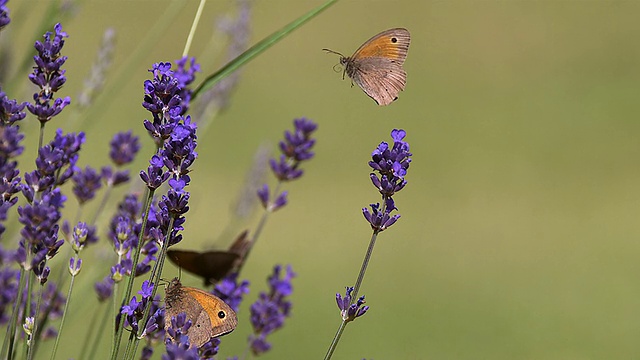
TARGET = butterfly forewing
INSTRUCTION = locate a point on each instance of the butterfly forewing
(392, 44)
(219, 325)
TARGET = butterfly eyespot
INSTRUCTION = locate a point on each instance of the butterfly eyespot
(394, 40)
(221, 314)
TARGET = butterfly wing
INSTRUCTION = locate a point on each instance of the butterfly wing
(216, 314)
(392, 44)
(211, 266)
(380, 78)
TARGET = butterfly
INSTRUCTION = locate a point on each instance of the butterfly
(377, 65)
(212, 266)
(209, 315)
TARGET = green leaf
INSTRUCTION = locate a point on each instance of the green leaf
(258, 48)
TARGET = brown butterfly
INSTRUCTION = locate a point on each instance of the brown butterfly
(212, 266)
(377, 65)
(209, 315)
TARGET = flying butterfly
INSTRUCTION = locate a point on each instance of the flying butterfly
(377, 65)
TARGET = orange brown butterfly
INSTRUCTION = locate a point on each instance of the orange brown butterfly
(377, 65)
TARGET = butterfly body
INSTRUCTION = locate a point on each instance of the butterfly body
(376, 67)
(209, 315)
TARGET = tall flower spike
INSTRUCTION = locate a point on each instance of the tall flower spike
(48, 76)
(295, 148)
(162, 99)
(390, 165)
(269, 312)
(94, 82)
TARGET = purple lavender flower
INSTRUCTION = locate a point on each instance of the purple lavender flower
(154, 176)
(75, 266)
(56, 162)
(85, 184)
(179, 328)
(134, 310)
(178, 343)
(230, 291)
(147, 352)
(269, 312)
(185, 78)
(379, 219)
(10, 110)
(104, 288)
(124, 148)
(349, 311)
(124, 231)
(112, 178)
(81, 236)
(40, 233)
(162, 99)
(391, 165)
(209, 349)
(295, 148)
(4, 14)
(10, 149)
(181, 351)
(48, 76)
(179, 149)
(172, 208)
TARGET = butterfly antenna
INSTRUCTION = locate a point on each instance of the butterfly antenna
(332, 52)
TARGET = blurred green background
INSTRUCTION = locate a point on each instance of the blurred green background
(519, 232)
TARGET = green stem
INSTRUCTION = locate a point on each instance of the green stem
(127, 354)
(114, 316)
(336, 338)
(36, 329)
(363, 268)
(156, 273)
(41, 138)
(356, 287)
(260, 227)
(27, 307)
(64, 314)
(136, 257)
(194, 25)
(9, 339)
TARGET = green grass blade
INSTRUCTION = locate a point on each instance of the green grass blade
(258, 48)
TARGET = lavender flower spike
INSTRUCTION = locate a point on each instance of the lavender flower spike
(391, 164)
(295, 148)
(269, 312)
(48, 76)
